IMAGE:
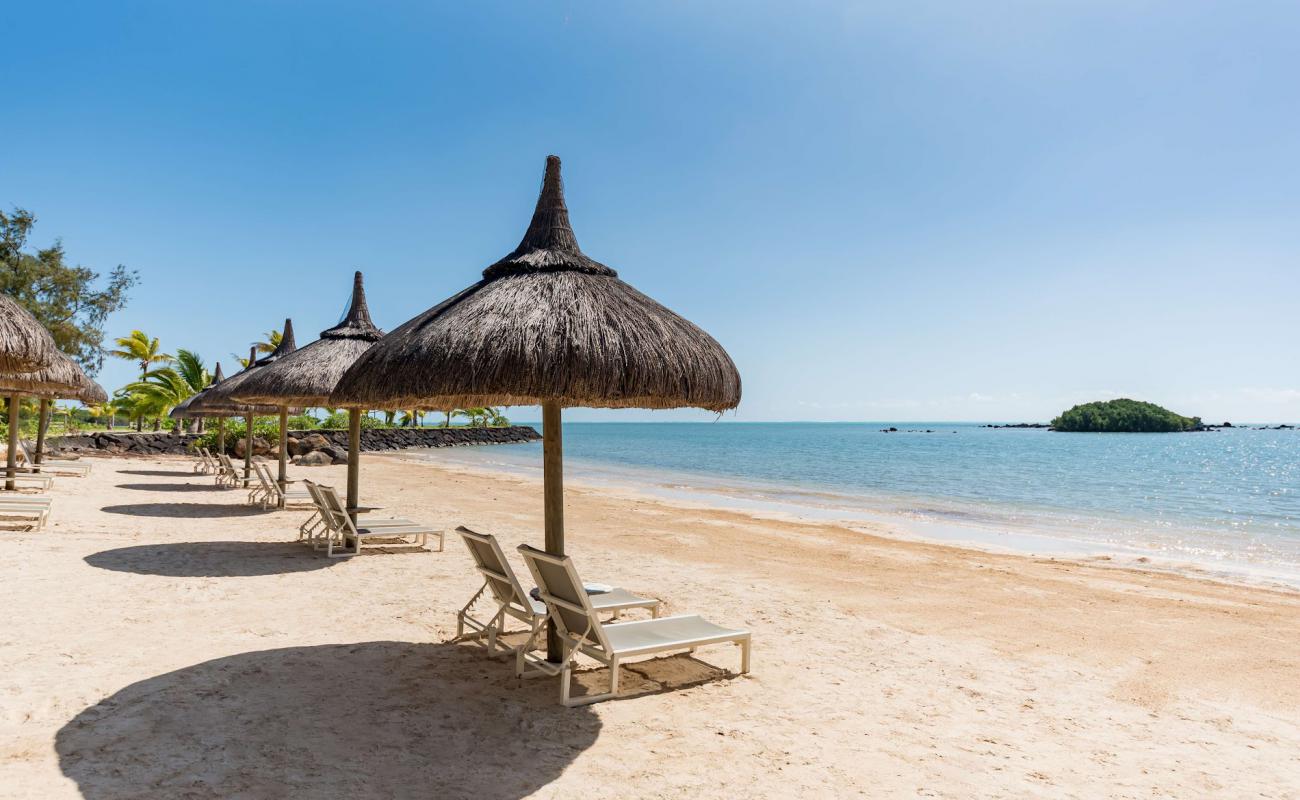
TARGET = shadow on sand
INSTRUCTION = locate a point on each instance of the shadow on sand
(211, 559)
(171, 487)
(370, 720)
(187, 510)
(163, 473)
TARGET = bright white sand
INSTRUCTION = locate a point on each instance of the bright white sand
(163, 640)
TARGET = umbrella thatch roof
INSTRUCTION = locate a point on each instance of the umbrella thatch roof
(546, 323)
(62, 378)
(307, 377)
(25, 345)
(220, 397)
(186, 408)
(93, 394)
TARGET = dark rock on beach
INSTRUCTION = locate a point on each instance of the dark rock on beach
(300, 442)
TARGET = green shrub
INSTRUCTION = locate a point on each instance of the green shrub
(303, 422)
(1123, 416)
(338, 420)
(266, 427)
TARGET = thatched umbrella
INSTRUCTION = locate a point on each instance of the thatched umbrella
(25, 345)
(547, 326)
(307, 377)
(224, 394)
(61, 378)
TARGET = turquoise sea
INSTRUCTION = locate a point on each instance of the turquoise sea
(1226, 501)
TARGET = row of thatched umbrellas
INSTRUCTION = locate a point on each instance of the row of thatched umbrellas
(32, 366)
(546, 325)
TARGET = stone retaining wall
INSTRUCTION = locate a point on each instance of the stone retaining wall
(372, 439)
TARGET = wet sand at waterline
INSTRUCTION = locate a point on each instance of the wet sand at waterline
(165, 640)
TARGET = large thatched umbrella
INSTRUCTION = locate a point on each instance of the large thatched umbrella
(546, 325)
(25, 345)
(307, 377)
(62, 378)
(225, 394)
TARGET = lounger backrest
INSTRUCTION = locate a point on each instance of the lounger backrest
(335, 514)
(492, 565)
(563, 592)
(264, 475)
(315, 495)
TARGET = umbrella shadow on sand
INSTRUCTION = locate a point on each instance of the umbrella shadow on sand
(171, 487)
(185, 510)
(211, 559)
(369, 720)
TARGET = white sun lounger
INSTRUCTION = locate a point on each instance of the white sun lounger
(55, 466)
(268, 492)
(24, 499)
(227, 475)
(312, 529)
(344, 538)
(581, 630)
(508, 598)
(203, 461)
(27, 480)
(30, 508)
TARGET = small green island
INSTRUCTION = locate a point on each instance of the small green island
(1124, 416)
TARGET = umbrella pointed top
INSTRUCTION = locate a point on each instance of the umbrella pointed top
(356, 323)
(217, 375)
(549, 244)
(287, 345)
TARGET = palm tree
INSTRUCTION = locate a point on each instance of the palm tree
(268, 346)
(138, 347)
(272, 342)
(105, 411)
(156, 393)
(190, 366)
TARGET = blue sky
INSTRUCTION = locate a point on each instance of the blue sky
(884, 211)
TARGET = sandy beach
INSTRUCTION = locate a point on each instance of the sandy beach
(165, 640)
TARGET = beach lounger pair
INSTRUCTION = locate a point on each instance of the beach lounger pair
(268, 493)
(34, 509)
(576, 611)
(54, 466)
(204, 462)
(340, 537)
(227, 474)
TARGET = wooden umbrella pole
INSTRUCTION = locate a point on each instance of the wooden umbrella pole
(248, 451)
(354, 462)
(283, 477)
(42, 427)
(221, 435)
(553, 502)
(11, 460)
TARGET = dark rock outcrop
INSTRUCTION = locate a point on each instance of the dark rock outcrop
(372, 440)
